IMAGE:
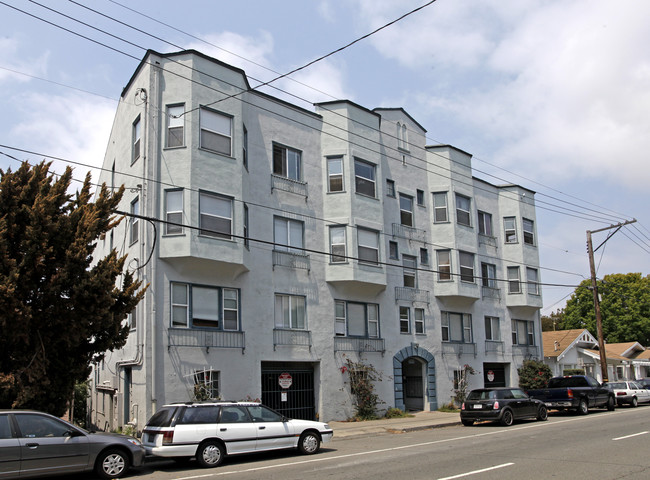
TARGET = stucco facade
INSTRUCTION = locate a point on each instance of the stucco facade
(279, 239)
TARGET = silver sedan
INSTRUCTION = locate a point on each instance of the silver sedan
(629, 393)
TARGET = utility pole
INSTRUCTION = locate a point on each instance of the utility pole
(594, 289)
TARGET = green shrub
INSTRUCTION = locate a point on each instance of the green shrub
(393, 412)
(574, 371)
(362, 377)
(533, 374)
(448, 407)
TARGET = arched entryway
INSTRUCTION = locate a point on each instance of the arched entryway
(414, 375)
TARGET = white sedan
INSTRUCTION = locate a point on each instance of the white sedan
(630, 393)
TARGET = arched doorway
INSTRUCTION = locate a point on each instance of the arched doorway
(414, 376)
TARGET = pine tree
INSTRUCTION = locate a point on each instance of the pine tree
(59, 310)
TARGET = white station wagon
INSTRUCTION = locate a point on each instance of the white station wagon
(211, 430)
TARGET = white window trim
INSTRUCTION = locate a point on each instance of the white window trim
(437, 207)
(372, 180)
(221, 134)
(211, 233)
(404, 320)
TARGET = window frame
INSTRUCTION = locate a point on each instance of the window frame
(485, 224)
(410, 271)
(444, 269)
(367, 247)
(528, 233)
(510, 234)
(529, 328)
(404, 319)
(244, 146)
(371, 325)
(177, 228)
(492, 327)
(191, 323)
(290, 246)
(134, 221)
(360, 180)
(438, 208)
(532, 285)
(406, 210)
(334, 257)
(464, 267)
(390, 188)
(419, 196)
(333, 176)
(487, 280)
(296, 173)
(419, 323)
(293, 323)
(136, 139)
(460, 212)
(175, 122)
(207, 377)
(512, 281)
(203, 128)
(215, 233)
(246, 228)
(424, 256)
(465, 328)
(393, 250)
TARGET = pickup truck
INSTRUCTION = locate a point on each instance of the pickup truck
(575, 392)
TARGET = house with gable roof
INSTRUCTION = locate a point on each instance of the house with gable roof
(568, 349)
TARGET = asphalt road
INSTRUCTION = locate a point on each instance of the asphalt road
(601, 445)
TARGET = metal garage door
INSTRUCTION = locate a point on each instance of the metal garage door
(297, 401)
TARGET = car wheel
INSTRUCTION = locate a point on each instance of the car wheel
(210, 454)
(542, 413)
(112, 463)
(635, 402)
(583, 409)
(611, 404)
(467, 423)
(507, 418)
(309, 443)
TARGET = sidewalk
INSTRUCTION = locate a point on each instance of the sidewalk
(419, 421)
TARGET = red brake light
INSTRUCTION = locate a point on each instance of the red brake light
(462, 406)
(168, 437)
(496, 405)
(569, 393)
(620, 393)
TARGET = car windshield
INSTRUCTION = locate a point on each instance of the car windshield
(620, 385)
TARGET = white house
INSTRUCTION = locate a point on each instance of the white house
(281, 242)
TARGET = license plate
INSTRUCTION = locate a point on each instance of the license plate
(478, 407)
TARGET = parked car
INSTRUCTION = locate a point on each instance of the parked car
(35, 443)
(210, 431)
(629, 393)
(575, 392)
(503, 404)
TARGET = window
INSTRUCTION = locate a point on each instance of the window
(492, 329)
(338, 244)
(489, 275)
(216, 132)
(134, 221)
(368, 246)
(514, 285)
(420, 197)
(402, 136)
(404, 320)
(390, 188)
(466, 266)
(456, 327)
(523, 332)
(362, 320)
(444, 264)
(406, 210)
(206, 385)
(173, 211)
(335, 174)
(5, 429)
(463, 209)
(202, 306)
(419, 320)
(215, 215)
(410, 266)
(137, 133)
(364, 177)
(175, 125)
(393, 251)
(424, 256)
(245, 147)
(440, 208)
(287, 162)
(339, 318)
(132, 319)
(290, 311)
(485, 224)
(246, 230)
(531, 277)
(288, 235)
(529, 231)
(510, 227)
(33, 425)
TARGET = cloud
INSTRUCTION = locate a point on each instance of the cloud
(17, 68)
(74, 127)
(561, 85)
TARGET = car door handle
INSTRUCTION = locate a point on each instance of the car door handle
(262, 427)
(223, 429)
(32, 445)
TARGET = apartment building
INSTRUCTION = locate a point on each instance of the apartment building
(280, 242)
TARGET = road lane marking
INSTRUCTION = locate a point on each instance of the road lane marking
(629, 436)
(414, 445)
(467, 474)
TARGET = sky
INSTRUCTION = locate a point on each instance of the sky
(553, 95)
